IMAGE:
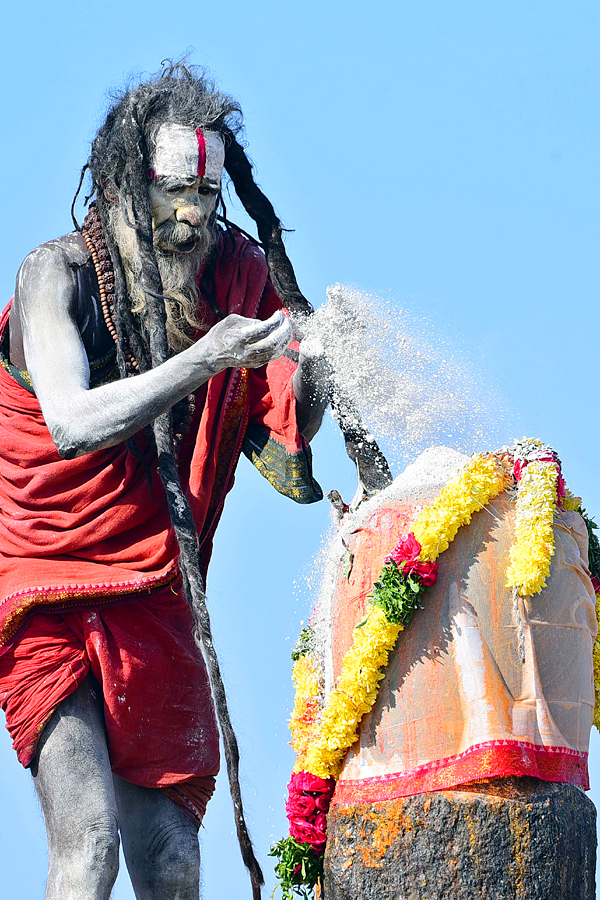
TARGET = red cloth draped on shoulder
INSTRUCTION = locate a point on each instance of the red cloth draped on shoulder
(79, 533)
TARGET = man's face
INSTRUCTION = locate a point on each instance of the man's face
(185, 182)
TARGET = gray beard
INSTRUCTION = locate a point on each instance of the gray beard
(178, 272)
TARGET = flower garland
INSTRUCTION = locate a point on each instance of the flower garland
(308, 678)
(594, 560)
(407, 572)
(323, 732)
(537, 471)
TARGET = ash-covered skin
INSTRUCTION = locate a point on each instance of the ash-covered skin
(50, 305)
(85, 807)
(55, 326)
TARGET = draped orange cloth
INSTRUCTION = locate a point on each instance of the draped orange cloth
(88, 558)
(457, 702)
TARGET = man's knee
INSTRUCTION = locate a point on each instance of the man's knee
(88, 854)
(101, 844)
(172, 860)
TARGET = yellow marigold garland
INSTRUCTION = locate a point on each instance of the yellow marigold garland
(533, 545)
(476, 484)
(571, 502)
(321, 744)
(304, 721)
(355, 694)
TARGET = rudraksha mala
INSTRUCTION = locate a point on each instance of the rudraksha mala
(93, 236)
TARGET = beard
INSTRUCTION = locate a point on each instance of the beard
(181, 251)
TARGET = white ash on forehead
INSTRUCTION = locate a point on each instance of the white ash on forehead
(408, 384)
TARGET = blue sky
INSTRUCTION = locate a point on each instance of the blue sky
(445, 155)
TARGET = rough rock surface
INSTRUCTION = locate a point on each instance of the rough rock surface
(508, 839)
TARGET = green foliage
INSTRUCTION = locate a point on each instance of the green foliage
(305, 643)
(298, 870)
(397, 594)
(594, 543)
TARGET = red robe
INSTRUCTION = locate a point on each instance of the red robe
(88, 534)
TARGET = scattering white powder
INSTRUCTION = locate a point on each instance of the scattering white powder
(410, 388)
(414, 395)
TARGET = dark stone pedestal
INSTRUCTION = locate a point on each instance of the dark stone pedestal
(508, 839)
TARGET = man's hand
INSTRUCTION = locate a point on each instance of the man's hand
(238, 342)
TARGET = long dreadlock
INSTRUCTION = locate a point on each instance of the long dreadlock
(118, 165)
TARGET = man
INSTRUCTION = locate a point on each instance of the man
(106, 695)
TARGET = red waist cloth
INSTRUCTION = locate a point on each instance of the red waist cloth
(160, 721)
(78, 532)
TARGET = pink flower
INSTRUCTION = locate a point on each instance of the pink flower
(322, 802)
(320, 822)
(406, 550)
(300, 804)
(310, 832)
(426, 572)
(595, 584)
(406, 555)
(304, 781)
(306, 807)
(518, 468)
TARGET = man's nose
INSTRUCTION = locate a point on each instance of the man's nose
(190, 214)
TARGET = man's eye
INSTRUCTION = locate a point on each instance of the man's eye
(205, 190)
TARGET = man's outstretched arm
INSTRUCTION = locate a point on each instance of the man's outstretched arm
(81, 420)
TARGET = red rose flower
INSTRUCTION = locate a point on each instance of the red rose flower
(300, 804)
(304, 781)
(406, 550)
(426, 572)
(518, 468)
(307, 832)
(320, 822)
(406, 554)
(595, 584)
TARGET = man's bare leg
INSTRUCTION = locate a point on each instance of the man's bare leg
(160, 844)
(74, 783)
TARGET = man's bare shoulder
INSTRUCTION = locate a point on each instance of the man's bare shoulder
(69, 250)
(52, 264)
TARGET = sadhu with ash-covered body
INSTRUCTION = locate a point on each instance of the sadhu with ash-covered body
(102, 516)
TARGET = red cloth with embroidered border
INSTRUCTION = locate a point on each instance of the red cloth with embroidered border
(78, 532)
(160, 723)
(87, 534)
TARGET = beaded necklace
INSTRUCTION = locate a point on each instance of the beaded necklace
(93, 236)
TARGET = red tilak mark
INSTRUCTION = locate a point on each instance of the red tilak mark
(151, 174)
(201, 153)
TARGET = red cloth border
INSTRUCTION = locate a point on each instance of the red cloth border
(492, 759)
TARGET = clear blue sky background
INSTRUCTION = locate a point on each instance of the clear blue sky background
(479, 211)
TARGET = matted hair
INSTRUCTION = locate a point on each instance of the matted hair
(119, 163)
